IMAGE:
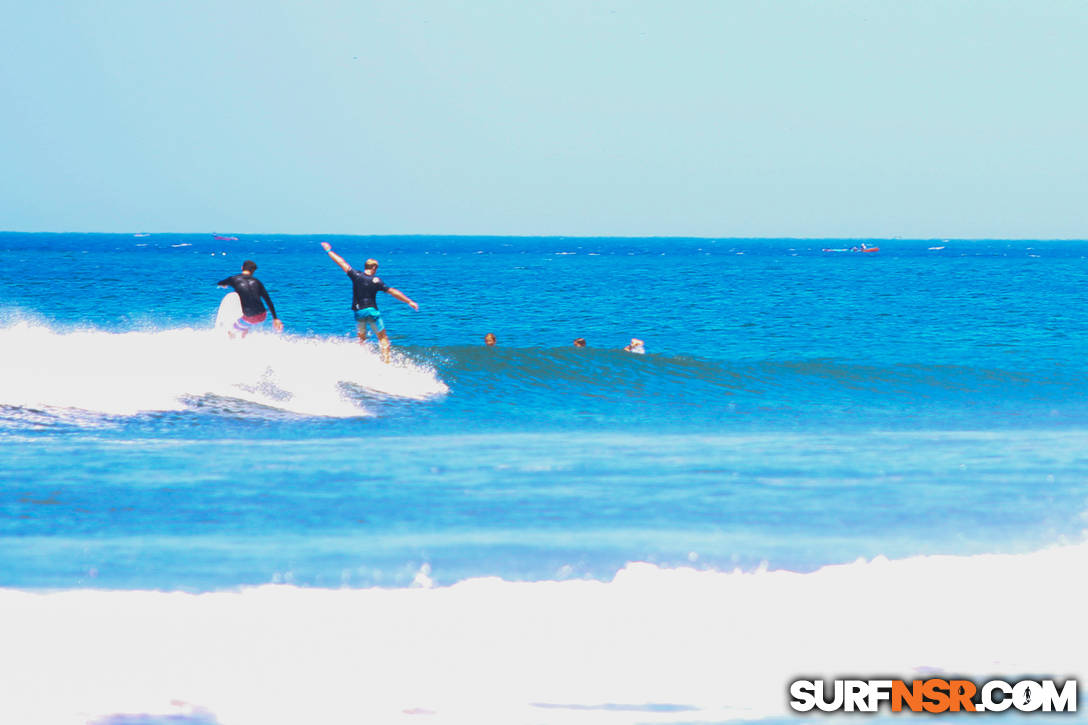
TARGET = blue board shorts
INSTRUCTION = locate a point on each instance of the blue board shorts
(371, 316)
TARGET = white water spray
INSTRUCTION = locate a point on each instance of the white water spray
(127, 373)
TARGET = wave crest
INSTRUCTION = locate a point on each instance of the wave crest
(659, 645)
(132, 372)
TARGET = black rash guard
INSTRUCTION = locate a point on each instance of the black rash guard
(366, 287)
(251, 292)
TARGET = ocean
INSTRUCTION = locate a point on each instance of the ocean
(827, 463)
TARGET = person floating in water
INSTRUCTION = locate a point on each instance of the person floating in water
(251, 292)
(366, 285)
(490, 340)
(579, 342)
(636, 346)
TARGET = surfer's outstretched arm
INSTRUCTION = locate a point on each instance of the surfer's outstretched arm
(336, 257)
(403, 298)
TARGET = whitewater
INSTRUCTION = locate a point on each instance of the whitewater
(118, 374)
(652, 645)
(827, 465)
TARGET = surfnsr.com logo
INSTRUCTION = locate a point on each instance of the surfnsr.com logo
(934, 695)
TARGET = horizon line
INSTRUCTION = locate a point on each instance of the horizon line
(566, 236)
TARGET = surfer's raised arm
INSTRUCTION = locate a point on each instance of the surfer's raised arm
(336, 257)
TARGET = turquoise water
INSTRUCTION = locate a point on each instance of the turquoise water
(796, 408)
(284, 529)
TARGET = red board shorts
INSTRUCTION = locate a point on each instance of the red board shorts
(242, 324)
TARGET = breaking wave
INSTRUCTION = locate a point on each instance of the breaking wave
(652, 645)
(46, 371)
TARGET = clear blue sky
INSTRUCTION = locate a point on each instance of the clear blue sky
(716, 118)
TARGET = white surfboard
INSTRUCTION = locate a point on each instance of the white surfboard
(230, 309)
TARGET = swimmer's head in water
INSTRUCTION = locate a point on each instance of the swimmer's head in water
(580, 342)
(371, 265)
(249, 266)
(489, 339)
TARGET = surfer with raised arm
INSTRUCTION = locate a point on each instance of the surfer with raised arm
(253, 297)
(366, 285)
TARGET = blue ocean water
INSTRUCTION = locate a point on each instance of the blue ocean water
(285, 529)
(796, 408)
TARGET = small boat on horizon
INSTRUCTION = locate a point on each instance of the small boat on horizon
(222, 238)
(863, 248)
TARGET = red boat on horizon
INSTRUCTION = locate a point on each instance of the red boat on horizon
(863, 248)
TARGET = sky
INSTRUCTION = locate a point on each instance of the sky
(714, 118)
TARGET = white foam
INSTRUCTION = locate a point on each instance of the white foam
(700, 646)
(126, 373)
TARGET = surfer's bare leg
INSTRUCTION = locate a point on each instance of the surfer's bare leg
(241, 327)
(383, 340)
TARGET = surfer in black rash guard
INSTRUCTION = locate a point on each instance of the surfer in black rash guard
(251, 293)
(366, 287)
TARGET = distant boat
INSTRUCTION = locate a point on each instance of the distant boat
(221, 238)
(862, 248)
(141, 235)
